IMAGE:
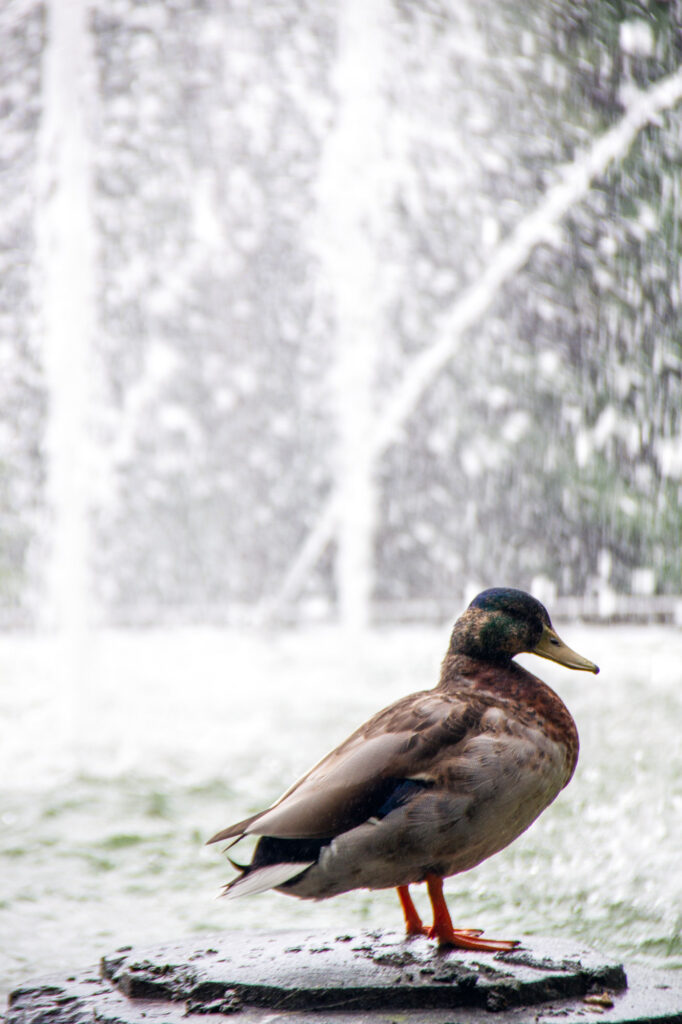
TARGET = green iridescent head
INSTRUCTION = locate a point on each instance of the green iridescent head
(502, 622)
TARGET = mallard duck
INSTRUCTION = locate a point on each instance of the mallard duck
(432, 785)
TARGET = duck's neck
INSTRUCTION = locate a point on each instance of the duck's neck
(458, 669)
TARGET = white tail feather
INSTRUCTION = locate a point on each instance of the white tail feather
(268, 877)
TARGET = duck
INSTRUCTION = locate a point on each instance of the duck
(432, 785)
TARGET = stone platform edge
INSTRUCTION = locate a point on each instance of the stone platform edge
(374, 977)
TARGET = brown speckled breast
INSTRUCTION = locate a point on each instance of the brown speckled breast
(523, 696)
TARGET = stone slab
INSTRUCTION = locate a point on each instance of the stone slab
(171, 984)
(359, 970)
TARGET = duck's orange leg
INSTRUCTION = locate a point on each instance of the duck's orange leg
(462, 938)
(413, 922)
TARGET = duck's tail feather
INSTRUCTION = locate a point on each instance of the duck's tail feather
(259, 879)
(234, 832)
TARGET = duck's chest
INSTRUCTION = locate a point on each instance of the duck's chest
(500, 780)
(522, 753)
(535, 722)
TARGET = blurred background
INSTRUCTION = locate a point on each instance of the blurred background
(315, 319)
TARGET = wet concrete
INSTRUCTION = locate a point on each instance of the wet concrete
(360, 977)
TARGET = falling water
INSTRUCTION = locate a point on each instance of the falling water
(67, 285)
(66, 260)
(353, 196)
(219, 128)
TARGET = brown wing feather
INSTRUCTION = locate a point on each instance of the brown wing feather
(350, 783)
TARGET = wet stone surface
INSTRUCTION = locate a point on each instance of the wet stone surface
(360, 971)
(356, 978)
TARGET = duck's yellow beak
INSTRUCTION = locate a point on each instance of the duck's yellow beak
(552, 646)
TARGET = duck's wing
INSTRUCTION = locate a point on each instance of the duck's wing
(354, 781)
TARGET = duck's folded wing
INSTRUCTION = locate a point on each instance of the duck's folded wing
(354, 781)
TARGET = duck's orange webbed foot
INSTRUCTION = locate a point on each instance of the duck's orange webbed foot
(460, 938)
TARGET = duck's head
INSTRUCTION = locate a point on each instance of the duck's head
(502, 622)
